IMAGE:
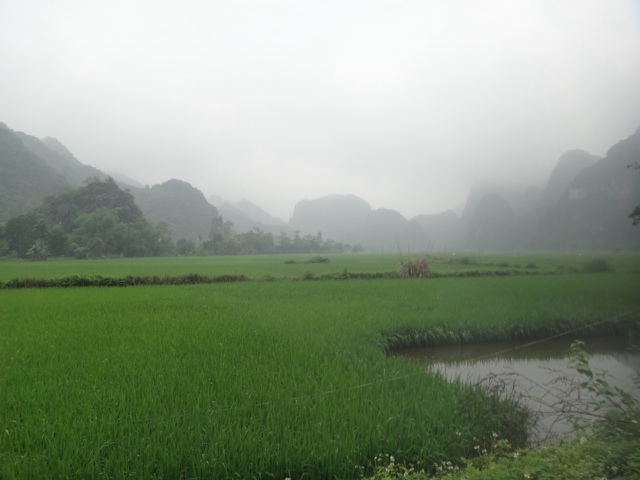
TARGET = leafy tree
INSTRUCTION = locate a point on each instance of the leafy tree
(64, 209)
(4, 248)
(95, 247)
(101, 222)
(22, 232)
(256, 242)
(185, 247)
(95, 220)
(284, 243)
(163, 243)
(38, 251)
(58, 241)
(222, 239)
(635, 214)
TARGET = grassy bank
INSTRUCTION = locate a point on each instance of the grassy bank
(262, 379)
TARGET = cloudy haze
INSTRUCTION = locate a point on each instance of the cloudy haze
(403, 103)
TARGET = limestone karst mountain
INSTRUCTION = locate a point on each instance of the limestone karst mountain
(246, 216)
(181, 206)
(350, 219)
(25, 178)
(592, 212)
(584, 206)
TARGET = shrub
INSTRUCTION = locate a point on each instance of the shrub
(598, 265)
(467, 261)
(318, 259)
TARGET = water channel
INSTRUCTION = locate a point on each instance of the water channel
(537, 372)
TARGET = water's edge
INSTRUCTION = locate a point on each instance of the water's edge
(538, 372)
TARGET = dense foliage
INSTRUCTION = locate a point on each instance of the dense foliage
(635, 214)
(96, 220)
(606, 445)
(99, 220)
(224, 241)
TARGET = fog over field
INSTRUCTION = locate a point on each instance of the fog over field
(406, 104)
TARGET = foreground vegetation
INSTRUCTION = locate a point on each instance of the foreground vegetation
(269, 379)
(606, 445)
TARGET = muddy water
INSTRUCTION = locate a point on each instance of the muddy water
(538, 372)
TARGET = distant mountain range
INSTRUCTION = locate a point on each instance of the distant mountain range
(29, 171)
(349, 219)
(246, 216)
(178, 204)
(584, 206)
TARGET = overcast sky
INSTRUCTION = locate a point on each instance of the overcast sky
(405, 103)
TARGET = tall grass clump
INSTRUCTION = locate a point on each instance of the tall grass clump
(415, 268)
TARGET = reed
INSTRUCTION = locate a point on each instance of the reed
(415, 268)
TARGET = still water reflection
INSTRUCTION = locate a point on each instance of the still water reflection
(539, 371)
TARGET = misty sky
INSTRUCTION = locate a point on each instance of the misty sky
(405, 103)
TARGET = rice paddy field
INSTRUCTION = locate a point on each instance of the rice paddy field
(275, 377)
(260, 267)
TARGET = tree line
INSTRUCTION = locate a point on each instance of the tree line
(101, 220)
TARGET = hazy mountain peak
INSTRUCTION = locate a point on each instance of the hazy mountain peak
(25, 177)
(57, 146)
(216, 200)
(58, 157)
(125, 180)
(347, 200)
(522, 198)
(180, 189)
(257, 213)
(180, 205)
(246, 215)
(569, 166)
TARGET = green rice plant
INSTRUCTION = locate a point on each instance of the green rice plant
(254, 266)
(559, 303)
(261, 379)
